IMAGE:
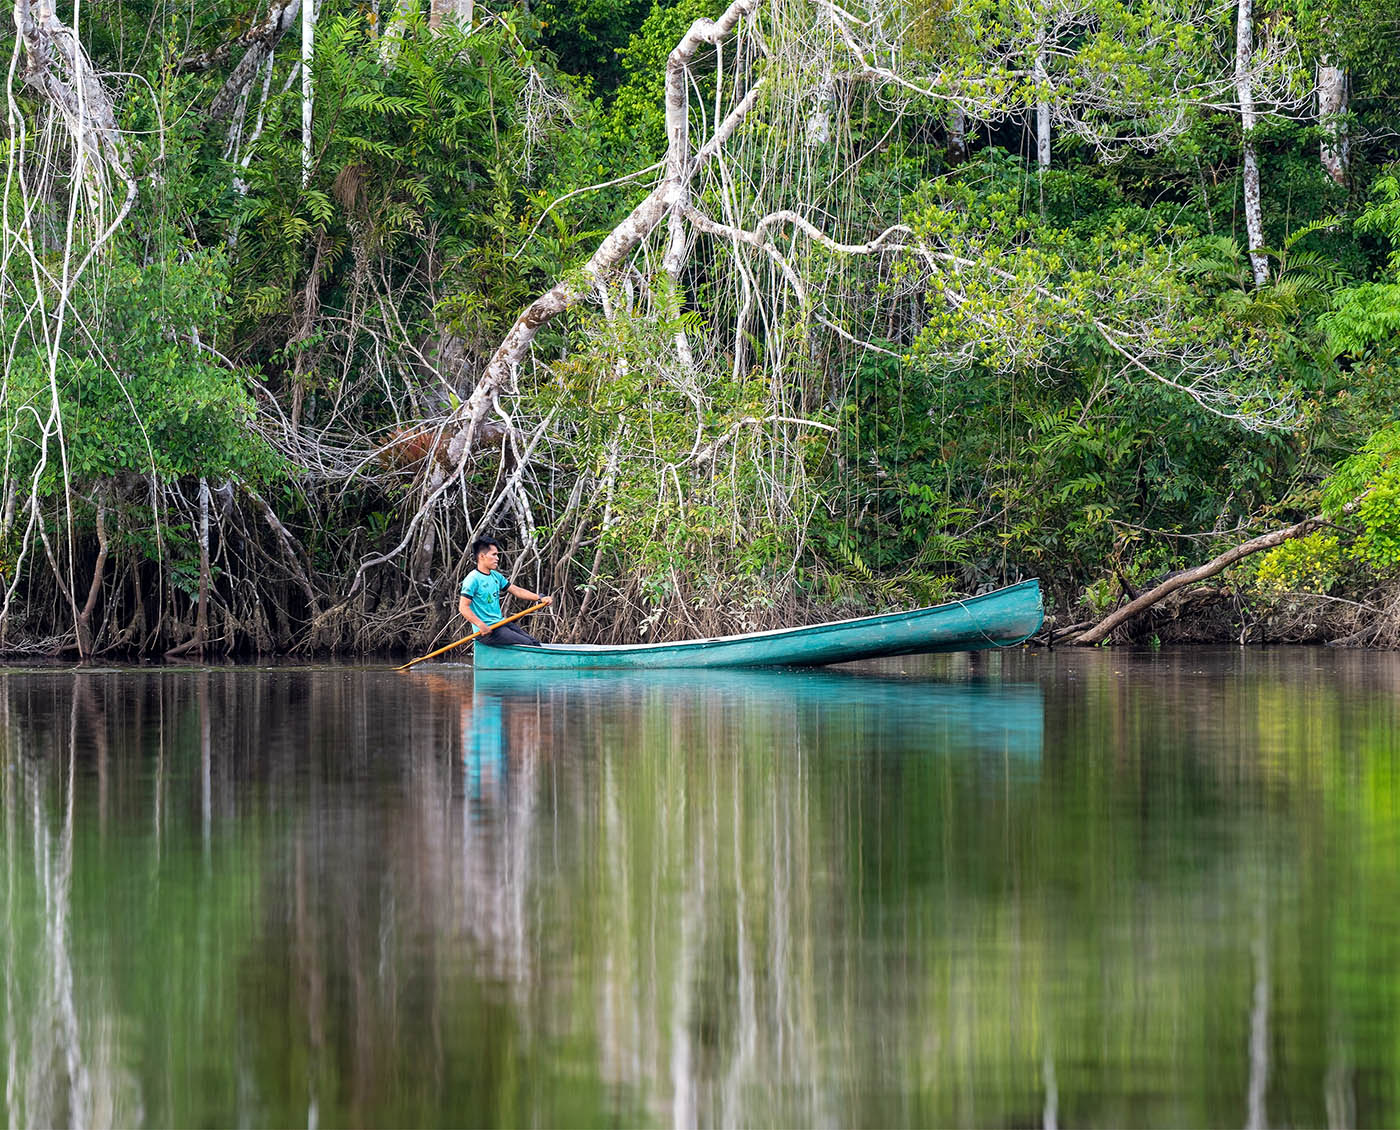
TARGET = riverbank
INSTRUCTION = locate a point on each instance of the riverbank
(1242, 615)
(1205, 614)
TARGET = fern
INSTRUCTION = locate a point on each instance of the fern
(1362, 317)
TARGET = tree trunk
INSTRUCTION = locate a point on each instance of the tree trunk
(85, 641)
(819, 121)
(442, 12)
(201, 629)
(392, 39)
(57, 66)
(1101, 631)
(956, 148)
(1244, 90)
(262, 40)
(308, 42)
(249, 145)
(1042, 108)
(1331, 111)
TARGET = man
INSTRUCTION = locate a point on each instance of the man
(481, 597)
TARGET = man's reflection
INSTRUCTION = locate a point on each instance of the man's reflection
(483, 746)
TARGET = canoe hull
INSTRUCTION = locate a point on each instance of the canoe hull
(996, 619)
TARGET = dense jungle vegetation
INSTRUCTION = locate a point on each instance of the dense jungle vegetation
(719, 317)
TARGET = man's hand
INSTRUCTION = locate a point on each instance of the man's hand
(546, 600)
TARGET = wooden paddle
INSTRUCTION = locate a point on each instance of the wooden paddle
(468, 639)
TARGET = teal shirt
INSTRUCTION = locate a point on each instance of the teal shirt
(484, 590)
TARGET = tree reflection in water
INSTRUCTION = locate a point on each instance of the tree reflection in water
(62, 1053)
(1049, 890)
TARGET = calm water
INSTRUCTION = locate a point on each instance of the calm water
(1021, 890)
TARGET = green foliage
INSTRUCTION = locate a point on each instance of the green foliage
(1367, 316)
(1368, 485)
(1379, 512)
(145, 397)
(1101, 595)
(1363, 317)
(432, 158)
(1024, 425)
(1016, 291)
(588, 36)
(697, 526)
(1381, 217)
(1310, 564)
(1364, 321)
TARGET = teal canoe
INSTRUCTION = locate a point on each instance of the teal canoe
(996, 619)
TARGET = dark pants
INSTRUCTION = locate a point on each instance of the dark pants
(509, 634)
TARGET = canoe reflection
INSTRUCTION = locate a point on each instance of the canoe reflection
(880, 711)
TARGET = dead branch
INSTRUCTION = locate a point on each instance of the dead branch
(1101, 631)
(59, 68)
(260, 41)
(265, 33)
(670, 194)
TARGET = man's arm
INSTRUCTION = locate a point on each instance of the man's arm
(464, 606)
(525, 594)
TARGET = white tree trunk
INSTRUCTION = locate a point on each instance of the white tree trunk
(442, 12)
(1244, 90)
(249, 145)
(261, 41)
(1331, 108)
(308, 41)
(1042, 106)
(392, 39)
(58, 67)
(678, 160)
(819, 121)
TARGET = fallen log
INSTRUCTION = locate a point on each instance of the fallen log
(1052, 632)
(1101, 631)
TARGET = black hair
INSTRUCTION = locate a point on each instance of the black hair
(481, 545)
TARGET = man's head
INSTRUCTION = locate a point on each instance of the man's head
(486, 552)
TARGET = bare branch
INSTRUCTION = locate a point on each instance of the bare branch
(261, 42)
(1104, 628)
(669, 194)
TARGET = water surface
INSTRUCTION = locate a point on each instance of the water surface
(1016, 889)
